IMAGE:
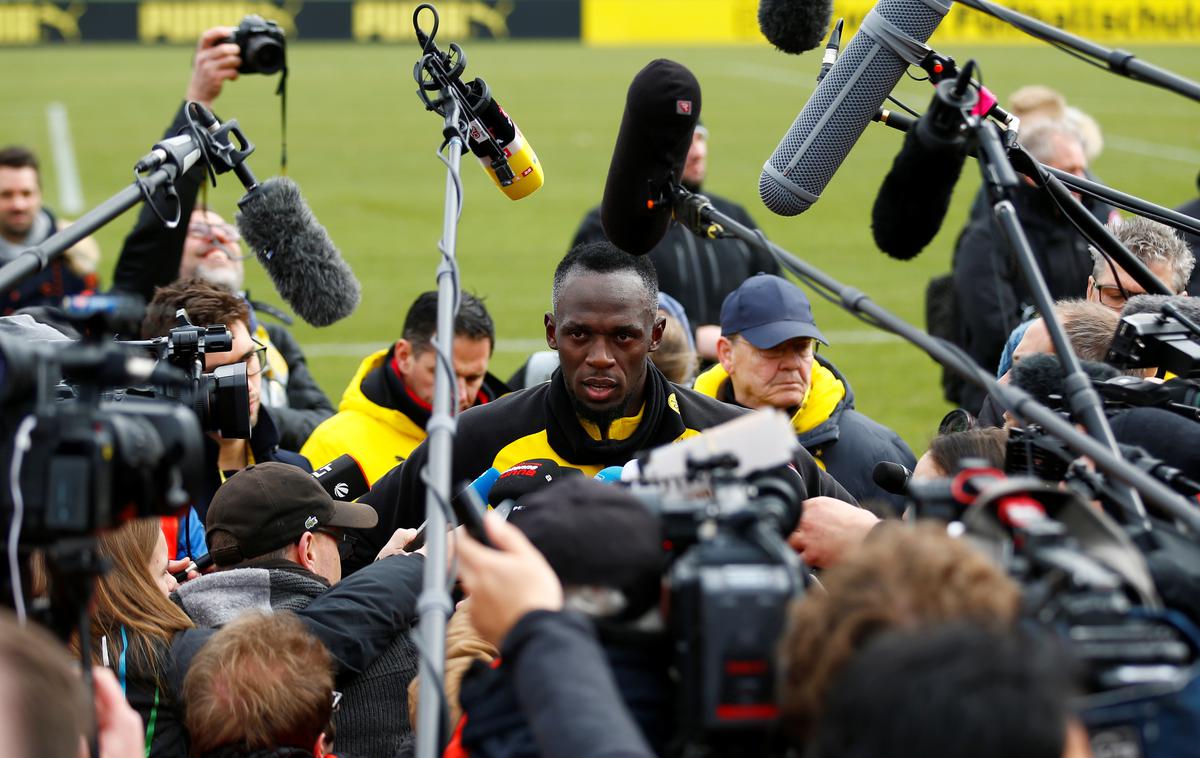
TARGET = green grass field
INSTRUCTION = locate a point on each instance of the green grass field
(362, 149)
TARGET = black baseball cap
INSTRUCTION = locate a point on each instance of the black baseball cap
(768, 310)
(266, 506)
(595, 533)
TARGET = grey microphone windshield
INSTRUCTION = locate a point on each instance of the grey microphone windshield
(892, 37)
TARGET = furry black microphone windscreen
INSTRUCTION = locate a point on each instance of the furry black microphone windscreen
(303, 263)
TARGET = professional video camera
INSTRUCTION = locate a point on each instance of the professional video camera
(1084, 577)
(1150, 339)
(726, 500)
(221, 399)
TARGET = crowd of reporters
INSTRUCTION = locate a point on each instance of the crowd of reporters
(269, 616)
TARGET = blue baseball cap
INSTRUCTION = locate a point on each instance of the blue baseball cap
(768, 310)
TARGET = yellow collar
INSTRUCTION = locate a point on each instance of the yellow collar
(620, 429)
(825, 391)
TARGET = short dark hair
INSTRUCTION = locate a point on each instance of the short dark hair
(473, 320)
(604, 257)
(954, 690)
(948, 450)
(206, 303)
(16, 156)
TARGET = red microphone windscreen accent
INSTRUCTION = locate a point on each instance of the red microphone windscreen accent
(661, 111)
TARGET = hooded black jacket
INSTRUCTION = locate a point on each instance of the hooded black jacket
(988, 284)
(540, 422)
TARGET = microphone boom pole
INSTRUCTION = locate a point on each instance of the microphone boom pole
(699, 215)
(433, 605)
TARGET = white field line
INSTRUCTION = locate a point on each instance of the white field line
(70, 191)
(524, 346)
(1153, 149)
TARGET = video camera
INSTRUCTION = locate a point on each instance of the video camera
(1150, 339)
(1082, 575)
(726, 501)
(99, 433)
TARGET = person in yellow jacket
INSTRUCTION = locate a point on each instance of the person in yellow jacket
(768, 359)
(387, 404)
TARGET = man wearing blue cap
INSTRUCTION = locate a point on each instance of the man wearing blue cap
(768, 359)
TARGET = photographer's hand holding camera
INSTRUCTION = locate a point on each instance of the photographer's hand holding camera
(217, 61)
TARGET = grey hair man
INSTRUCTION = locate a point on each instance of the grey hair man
(1158, 246)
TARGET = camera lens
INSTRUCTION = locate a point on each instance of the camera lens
(225, 397)
(263, 54)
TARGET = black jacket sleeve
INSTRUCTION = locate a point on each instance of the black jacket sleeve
(399, 499)
(307, 403)
(151, 253)
(359, 617)
(566, 690)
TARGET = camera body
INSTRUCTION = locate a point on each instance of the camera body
(99, 433)
(725, 507)
(263, 45)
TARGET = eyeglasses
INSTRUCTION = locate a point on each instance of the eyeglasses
(1112, 295)
(260, 353)
(344, 546)
(203, 231)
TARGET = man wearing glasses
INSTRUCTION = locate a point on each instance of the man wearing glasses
(206, 304)
(1158, 246)
(210, 248)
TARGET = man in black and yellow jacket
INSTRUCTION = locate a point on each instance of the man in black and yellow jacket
(603, 405)
(387, 404)
(768, 360)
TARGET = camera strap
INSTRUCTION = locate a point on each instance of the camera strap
(282, 92)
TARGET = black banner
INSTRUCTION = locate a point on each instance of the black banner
(181, 21)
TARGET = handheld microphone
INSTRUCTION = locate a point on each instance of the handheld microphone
(892, 477)
(795, 26)
(915, 195)
(303, 263)
(610, 474)
(343, 478)
(484, 482)
(528, 476)
(891, 37)
(200, 565)
(661, 111)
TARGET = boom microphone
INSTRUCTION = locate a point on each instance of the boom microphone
(891, 37)
(307, 270)
(794, 26)
(661, 110)
(915, 196)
